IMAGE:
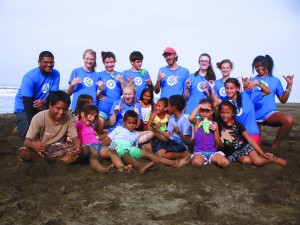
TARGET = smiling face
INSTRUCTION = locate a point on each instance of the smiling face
(90, 118)
(130, 123)
(128, 95)
(58, 110)
(146, 97)
(226, 69)
(160, 108)
(204, 62)
(261, 69)
(89, 61)
(231, 90)
(109, 64)
(226, 114)
(46, 65)
(170, 58)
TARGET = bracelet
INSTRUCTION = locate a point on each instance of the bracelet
(288, 90)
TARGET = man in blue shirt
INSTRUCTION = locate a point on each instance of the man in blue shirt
(35, 87)
(172, 78)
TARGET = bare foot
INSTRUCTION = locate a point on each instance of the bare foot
(184, 161)
(278, 160)
(125, 169)
(143, 169)
(104, 170)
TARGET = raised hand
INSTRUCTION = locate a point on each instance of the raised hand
(161, 76)
(289, 79)
(101, 84)
(120, 78)
(117, 108)
(211, 84)
(136, 110)
(130, 79)
(75, 81)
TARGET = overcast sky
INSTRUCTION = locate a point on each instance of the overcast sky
(238, 30)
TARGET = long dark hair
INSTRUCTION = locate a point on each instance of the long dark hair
(266, 60)
(210, 75)
(151, 93)
(237, 84)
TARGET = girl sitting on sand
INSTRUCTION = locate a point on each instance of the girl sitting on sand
(238, 145)
(87, 116)
(159, 118)
(206, 136)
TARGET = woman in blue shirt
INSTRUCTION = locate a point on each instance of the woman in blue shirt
(265, 109)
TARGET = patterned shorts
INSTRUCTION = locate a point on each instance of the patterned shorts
(243, 151)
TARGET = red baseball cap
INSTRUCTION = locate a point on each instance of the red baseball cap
(169, 50)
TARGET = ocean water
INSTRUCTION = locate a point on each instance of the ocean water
(7, 98)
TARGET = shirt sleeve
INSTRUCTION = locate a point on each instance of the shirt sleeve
(72, 131)
(27, 87)
(279, 89)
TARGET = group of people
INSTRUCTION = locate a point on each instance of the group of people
(197, 118)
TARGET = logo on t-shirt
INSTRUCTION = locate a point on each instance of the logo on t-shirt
(239, 111)
(138, 81)
(111, 84)
(263, 82)
(172, 80)
(222, 92)
(45, 88)
(201, 86)
(88, 81)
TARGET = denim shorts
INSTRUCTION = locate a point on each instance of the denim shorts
(169, 146)
(96, 146)
(104, 115)
(207, 155)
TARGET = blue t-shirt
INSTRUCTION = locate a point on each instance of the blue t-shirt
(139, 78)
(267, 105)
(112, 91)
(197, 93)
(124, 107)
(37, 86)
(246, 114)
(174, 82)
(220, 89)
(184, 125)
(88, 85)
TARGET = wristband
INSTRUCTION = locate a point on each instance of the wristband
(288, 90)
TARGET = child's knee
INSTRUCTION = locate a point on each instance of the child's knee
(224, 163)
(246, 160)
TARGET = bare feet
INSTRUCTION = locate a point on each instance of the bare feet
(278, 160)
(105, 170)
(125, 169)
(184, 161)
(143, 169)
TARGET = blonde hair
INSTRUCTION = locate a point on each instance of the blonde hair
(93, 53)
(130, 86)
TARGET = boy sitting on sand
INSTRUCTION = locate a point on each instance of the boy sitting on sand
(125, 141)
(178, 132)
(46, 136)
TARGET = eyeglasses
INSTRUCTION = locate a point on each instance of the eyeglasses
(204, 110)
(48, 62)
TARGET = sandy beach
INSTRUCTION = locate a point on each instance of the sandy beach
(74, 194)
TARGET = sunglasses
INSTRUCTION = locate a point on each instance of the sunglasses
(205, 110)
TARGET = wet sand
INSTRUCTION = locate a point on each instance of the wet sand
(74, 194)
